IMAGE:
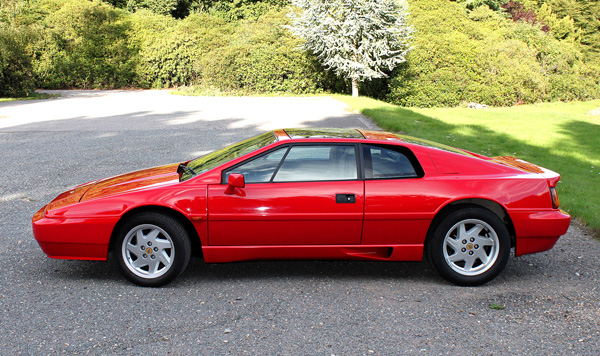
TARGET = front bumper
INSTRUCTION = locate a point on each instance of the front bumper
(73, 238)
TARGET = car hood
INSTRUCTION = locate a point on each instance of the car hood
(132, 181)
(151, 177)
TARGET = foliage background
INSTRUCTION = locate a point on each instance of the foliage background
(481, 55)
(16, 75)
(495, 52)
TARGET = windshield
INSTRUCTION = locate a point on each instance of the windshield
(224, 155)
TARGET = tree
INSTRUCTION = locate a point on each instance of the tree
(586, 16)
(357, 39)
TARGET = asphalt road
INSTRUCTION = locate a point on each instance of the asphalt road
(551, 300)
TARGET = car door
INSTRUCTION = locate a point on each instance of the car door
(295, 195)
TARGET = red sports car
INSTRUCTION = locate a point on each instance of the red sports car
(331, 194)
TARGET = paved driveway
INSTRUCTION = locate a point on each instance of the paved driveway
(551, 300)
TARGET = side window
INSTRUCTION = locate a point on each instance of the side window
(261, 169)
(381, 162)
(318, 163)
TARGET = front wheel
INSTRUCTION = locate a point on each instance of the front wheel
(152, 249)
(469, 247)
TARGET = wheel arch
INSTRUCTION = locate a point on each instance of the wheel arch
(181, 218)
(487, 204)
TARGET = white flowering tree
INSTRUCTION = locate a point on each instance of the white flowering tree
(357, 39)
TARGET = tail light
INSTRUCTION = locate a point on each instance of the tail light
(554, 195)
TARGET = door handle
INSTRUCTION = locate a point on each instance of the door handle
(345, 198)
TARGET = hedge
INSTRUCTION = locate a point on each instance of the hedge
(480, 56)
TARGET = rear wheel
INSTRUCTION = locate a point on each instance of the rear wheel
(152, 249)
(469, 247)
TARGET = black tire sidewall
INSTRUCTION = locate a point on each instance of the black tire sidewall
(435, 246)
(179, 237)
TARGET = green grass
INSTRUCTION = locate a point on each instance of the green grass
(559, 136)
(33, 96)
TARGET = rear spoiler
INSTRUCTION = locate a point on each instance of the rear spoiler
(528, 167)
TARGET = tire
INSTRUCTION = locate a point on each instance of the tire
(469, 247)
(152, 249)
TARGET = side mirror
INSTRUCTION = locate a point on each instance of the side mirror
(236, 180)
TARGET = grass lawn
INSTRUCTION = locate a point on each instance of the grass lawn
(33, 96)
(558, 136)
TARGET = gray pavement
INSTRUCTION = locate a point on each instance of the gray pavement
(47, 307)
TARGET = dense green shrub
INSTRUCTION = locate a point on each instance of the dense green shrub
(261, 57)
(462, 51)
(245, 9)
(85, 45)
(255, 55)
(481, 56)
(161, 7)
(16, 77)
(583, 15)
(171, 50)
(568, 76)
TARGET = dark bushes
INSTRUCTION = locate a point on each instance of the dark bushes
(16, 78)
(90, 44)
(85, 44)
(481, 56)
(246, 56)
(16, 73)
(242, 47)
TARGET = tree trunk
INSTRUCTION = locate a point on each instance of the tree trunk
(354, 88)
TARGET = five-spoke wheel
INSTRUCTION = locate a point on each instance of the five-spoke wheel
(469, 246)
(152, 249)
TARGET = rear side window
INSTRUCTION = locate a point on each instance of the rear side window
(386, 162)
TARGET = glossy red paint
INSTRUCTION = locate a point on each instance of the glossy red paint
(537, 229)
(131, 181)
(398, 211)
(80, 239)
(388, 220)
(293, 214)
(236, 180)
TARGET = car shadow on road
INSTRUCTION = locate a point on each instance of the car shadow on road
(199, 272)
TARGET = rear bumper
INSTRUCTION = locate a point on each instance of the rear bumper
(538, 231)
(75, 239)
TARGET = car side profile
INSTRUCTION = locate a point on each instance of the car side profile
(302, 194)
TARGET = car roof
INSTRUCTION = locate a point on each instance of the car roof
(382, 137)
(320, 133)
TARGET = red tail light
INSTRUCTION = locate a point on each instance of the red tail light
(554, 195)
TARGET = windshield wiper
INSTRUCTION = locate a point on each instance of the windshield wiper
(187, 169)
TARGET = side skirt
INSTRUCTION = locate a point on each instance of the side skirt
(219, 254)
